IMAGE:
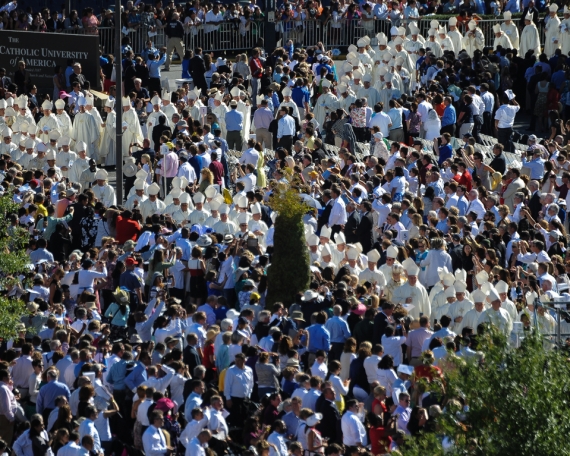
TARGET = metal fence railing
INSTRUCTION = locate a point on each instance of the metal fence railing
(231, 36)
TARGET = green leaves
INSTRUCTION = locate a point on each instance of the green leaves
(13, 261)
(517, 398)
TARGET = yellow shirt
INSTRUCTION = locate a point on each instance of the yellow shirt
(42, 210)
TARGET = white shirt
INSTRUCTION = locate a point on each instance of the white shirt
(88, 428)
(371, 367)
(338, 213)
(194, 447)
(249, 157)
(353, 431)
(249, 182)
(218, 423)
(71, 449)
(154, 443)
(142, 415)
(476, 206)
(192, 429)
(403, 418)
(238, 382)
(506, 115)
(382, 121)
(21, 371)
(280, 443)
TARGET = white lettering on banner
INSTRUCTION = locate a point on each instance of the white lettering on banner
(43, 52)
(34, 62)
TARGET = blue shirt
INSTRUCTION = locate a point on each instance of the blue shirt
(445, 153)
(338, 329)
(149, 51)
(77, 368)
(154, 66)
(234, 120)
(197, 163)
(184, 244)
(396, 116)
(68, 73)
(449, 116)
(117, 374)
(41, 254)
(513, 6)
(462, 205)
(319, 338)
(558, 78)
(536, 167)
(285, 126)
(48, 393)
(300, 96)
(136, 377)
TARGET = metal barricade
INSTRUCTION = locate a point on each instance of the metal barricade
(226, 36)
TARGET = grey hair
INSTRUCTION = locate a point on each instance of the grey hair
(519, 195)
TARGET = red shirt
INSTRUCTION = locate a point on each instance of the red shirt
(467, 180)
(127, 229)
(218, 171)
(256, 68)
(429, 372)
(379, 440)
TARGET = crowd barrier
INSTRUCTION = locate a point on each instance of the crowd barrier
(227, 36)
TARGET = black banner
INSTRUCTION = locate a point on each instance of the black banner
(42, 52)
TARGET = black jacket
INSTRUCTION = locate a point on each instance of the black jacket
(191, 358)
(380, 324)
(330, 424)
(555, 249)
(324, 217)
(535, 205)
(351, 228)
(364, 232)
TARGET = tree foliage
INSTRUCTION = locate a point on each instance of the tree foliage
(13, 266)
(518, 403)
(289, 272)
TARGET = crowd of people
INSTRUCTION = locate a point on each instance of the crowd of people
(148, 327)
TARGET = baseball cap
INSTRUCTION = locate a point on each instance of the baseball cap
(131, 261)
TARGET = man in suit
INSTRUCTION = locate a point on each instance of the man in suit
(455, 250)
(327, 207)
(330, 424)
(352, 223)
(190, 355)
(515, 185)
(381, 321)
(364, 230)
(197, 71)
(53, 24)
(554, 248)
(534, 203)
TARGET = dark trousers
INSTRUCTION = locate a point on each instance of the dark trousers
(448, 129)
(154, 86)
(360, 133)
(286, 142)
(504, 138)
(238, 411)
(234, 140)
(45, 414)
(230, 295)
(336, 351)
(487, 123)
(477, 124)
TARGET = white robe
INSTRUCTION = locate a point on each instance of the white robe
(459, 309)
(291, 104)
(565, 36)
(79, 165)
(502, 41)
(512, 31)
(65, 159)
(151, 122)
(471, 319)
(371, 94)
(246, 111)
(179, 216)
(472, 41)
(169, 110)
(66, 125)
(51, 123)
(25, 160)
(171, 208)
(198, 217)
(500, 318)
(149, 207)
(105, 194)
(220, 113)
(109, 141)
(435, 48)
(225, 227)
(419, 296)
(530, 41)
(456, 38)
(344, 103)
(326, 104)
(133, 133)
(86, 129)
(130, 203)
(552, 34)
(95, 113)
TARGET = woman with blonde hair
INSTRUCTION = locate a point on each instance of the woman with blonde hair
(207, 179)
(415, 226)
